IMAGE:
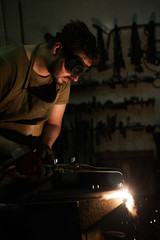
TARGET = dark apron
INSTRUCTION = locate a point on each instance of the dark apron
(29, 109)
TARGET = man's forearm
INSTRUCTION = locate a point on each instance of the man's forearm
(50, 134)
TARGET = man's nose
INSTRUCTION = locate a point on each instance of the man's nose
(74, 78)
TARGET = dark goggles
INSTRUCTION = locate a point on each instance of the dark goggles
(75, 65)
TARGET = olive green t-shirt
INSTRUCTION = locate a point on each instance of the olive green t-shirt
(19, 103)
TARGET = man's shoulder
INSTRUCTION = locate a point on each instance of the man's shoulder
(6, 49)
(12, 54)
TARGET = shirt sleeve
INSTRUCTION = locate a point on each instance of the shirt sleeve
(64, 93)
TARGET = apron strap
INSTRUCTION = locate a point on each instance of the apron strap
(31, 63)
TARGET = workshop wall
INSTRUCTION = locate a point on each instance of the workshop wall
(110, 110)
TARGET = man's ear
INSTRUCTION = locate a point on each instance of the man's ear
(57, 47)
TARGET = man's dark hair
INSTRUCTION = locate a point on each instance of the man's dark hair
(75, 36)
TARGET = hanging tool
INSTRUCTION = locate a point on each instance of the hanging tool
(103, 54)
(151, 53)
(21, 22)
(136, 52)
(118, 56)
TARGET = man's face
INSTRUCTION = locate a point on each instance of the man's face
(60, 72)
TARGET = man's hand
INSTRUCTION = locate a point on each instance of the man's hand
(47, 156)
(45, 152)
(29, 164)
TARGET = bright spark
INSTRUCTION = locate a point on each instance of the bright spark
(124, 196)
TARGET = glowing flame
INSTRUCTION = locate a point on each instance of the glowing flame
(124, 196)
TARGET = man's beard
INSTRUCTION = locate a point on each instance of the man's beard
(54, 68)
